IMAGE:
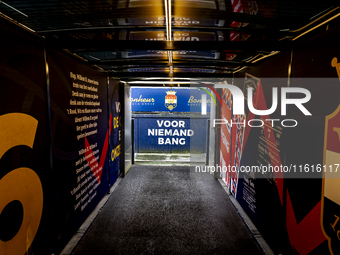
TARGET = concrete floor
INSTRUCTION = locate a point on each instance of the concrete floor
(167, 210)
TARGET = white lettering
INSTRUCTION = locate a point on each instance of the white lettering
(151, 132)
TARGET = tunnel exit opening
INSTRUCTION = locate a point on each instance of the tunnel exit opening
(169, 127)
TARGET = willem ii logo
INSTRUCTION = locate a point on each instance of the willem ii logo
(238, 105)
(170, 100)
(330, 199)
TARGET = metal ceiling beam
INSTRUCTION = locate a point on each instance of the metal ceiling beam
(122, 75)
(67, 31)
(116, 69)
(84, 45)
(188, 62)
(192, 13)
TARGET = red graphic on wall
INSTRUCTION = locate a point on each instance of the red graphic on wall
(97, 168)
(330, 199)
(307, 235)
(259, 103)
(237, 145)
(225, 135)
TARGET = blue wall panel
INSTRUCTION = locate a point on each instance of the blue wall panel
(115, 137)
(170, 134)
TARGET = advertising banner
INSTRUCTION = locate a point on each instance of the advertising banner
(168, 100)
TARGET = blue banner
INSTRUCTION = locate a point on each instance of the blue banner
(170, 135)
(115, 131)
(168, 99)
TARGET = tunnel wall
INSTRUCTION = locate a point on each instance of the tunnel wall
(24, 161)
(60, 145)
(295, 212)
(79, 117)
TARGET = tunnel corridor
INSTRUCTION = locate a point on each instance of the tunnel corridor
(169, 127)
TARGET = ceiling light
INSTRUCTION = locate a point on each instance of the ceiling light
(167, 82)
(168, 20)
(167, 78)
(160, 82)
(14, 8)
(306, 32)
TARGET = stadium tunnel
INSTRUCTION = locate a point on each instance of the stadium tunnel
(100, 98)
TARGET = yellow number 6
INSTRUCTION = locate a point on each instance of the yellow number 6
(21, 184)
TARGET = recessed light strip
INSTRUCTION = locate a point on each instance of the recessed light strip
(166, 19)
(169, 20)
(14, 9)
(306, 32)
(159, 82)
(167, 82)
(167, 78)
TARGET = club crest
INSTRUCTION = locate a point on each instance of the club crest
(330, 200)
(170, 100)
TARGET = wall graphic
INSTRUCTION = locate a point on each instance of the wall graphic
(330, 200)
(236, 154)
(20, 189)
(315, 143)
(80, 139)
(260, 192)
(304, 206)
(115, 124)
(25, 204)
(225, 135)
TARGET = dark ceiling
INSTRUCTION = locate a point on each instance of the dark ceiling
(205, 38)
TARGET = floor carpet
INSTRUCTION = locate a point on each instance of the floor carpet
(167, 210)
